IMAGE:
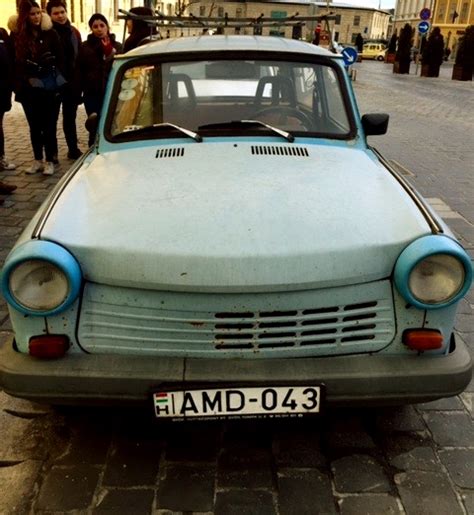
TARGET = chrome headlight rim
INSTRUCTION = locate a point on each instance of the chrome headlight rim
(422, 249)
(48, 252)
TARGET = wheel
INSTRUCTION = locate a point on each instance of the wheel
(281, 117)
(380, 58)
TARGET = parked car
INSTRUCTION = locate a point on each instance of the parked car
(232, 246)
(375, 51)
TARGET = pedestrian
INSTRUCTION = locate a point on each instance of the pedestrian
(6, 87)
(447, 53)
(359, 43)
(38, 65)
(71, 41)
(140, 31)
(94, 63)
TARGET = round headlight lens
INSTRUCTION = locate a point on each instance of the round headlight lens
(38, 285)
(437, 278)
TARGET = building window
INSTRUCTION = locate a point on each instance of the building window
(464, 12)
(220, 12)
(202, 10)
(337, 21)
(453, 15)
(356, 21)
(238, 13)
(441, 12)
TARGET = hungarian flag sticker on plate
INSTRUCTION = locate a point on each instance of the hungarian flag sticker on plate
(277, 401)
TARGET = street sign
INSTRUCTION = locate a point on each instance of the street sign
(425, 13)
(423, 27)
(349, 55)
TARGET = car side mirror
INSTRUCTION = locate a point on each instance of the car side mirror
(92, 122)
(375, 124)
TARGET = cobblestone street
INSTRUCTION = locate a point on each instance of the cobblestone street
(415, 460)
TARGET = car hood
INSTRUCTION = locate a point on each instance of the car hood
(234, 217)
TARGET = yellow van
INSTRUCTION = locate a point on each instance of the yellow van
(374, 51)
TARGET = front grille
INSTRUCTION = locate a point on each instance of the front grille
(308, 327)
(258, 325)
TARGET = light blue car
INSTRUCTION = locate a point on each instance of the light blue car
(232, 247)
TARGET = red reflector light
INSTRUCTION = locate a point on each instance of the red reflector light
(48, 346)
(423, 339)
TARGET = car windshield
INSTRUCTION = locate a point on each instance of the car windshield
(211, 96)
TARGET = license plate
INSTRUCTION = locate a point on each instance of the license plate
(275, 401)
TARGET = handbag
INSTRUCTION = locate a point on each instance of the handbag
(50, 79)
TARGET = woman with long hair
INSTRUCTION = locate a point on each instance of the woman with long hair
(38, 53)
(140, 31)
(6, 84)
(94, 63)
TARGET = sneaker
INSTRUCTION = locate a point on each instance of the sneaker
(74, 154)
(6, 189)
(49, 168)
(5, 165)
(35, 167)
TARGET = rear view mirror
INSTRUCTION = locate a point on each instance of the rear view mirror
(375, 124)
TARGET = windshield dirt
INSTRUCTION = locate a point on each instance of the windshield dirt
(291, 96)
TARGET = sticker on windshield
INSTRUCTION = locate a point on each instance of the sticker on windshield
(129, 84)
(127, 94)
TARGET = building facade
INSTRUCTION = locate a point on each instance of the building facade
(408, 11)
(451, 16)
(350, 20)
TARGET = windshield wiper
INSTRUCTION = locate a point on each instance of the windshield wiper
(166, 125)
(289, 137)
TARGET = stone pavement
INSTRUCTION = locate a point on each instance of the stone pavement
(415, 460)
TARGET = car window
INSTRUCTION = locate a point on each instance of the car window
(299, 97)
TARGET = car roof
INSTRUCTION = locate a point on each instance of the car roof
(228, 43)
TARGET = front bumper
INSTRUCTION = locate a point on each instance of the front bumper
(361, 379)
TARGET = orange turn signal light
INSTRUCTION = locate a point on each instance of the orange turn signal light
(423, 339)
(48, 346)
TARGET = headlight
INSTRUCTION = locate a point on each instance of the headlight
(41, 278)
(433, 272)
(38, 285)
(437, 279)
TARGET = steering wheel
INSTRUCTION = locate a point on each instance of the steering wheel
(282, 117)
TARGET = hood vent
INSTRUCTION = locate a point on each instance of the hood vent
(271, 150)
(170, 152)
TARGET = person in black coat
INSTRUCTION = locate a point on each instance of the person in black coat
(38, 53)
(6, 87)
(140, 31)
(71, 41)
(94, 63)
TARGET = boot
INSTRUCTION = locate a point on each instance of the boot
(6, 189)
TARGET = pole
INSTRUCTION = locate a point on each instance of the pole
(419, 52)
